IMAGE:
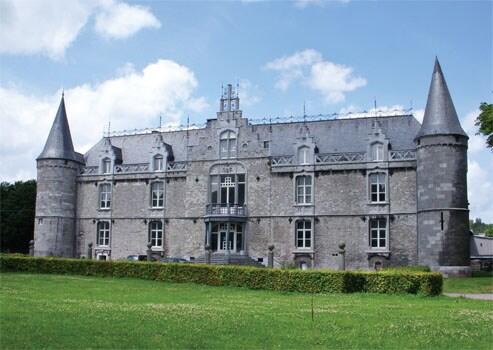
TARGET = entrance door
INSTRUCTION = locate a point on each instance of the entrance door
(221, 241)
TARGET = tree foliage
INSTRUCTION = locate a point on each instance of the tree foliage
(485, 122)
(17, 207)
(479, 227)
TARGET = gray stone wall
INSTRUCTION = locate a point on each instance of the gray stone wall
(54, 226)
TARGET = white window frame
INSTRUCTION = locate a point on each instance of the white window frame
(303, 191)
(156, 234)
(381, 179)
(301, 234)
(303, 155)
(227, 144)
(106, 166)
(103, 234)
(158, 162)
(105, 194)
(377, 151)
(157, 194)
(375, 233)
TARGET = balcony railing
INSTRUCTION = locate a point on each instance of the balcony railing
(226, 210)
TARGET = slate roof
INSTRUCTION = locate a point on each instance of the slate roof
(440, 116)
(330, 136)
(59, 143)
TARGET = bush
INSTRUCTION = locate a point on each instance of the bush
(387, 281)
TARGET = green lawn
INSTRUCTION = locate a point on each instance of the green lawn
(54, 311)
(468, 285)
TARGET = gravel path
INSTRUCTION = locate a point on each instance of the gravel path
(471, 296)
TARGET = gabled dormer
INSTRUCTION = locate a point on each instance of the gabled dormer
(109, 156)
(160, 154)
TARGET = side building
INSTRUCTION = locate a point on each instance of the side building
(237, 187)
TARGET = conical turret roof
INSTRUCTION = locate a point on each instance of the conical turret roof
(59, 144)
(440, 116)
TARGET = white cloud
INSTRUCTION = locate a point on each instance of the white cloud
(331, 80)
(381, 111)
(132, 100)
(480, 188)
(119, 20)
(304, 3)
(249, 93)
(477, 143)
(49, 27)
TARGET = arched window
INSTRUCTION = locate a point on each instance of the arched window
(156, 234)
(304, 189)
(227, 144)
(378, 187)
(106, 166)
(303, 155)
(105, 196)
(103, 234)
(157, 194)
(303, 234)
(377, 152)
(158, 163)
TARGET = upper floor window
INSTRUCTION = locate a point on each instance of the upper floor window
(304, 189)
(378, 187)
(158, 163)
(105, 196)
(303, 155)
(227, 144)
(157, 195)
(106, 166)
(303, 234)
(156, 234)
(378, 233)
(228, 189)
(377, 151)
(103, 234)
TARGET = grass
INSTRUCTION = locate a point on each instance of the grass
(56, 311)
(482, 284)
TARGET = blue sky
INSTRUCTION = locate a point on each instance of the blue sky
(129, 62)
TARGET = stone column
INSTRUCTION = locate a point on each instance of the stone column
(31, 247)
(342, 256)
(149, 251)
(270, 257)
(89, 250)
(208, 252)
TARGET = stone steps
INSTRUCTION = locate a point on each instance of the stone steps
(232, 259)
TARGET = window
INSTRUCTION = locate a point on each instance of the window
(156, 234)
(304, 189)
(228, 189)
(103, 238)
(158, 163)
(106, 166)
(378, 233)
(377, 152)
(227, 145)
(304, 234)
(157, 195)
(266, 144)
(105, 196)
(378, 187)
(303, 153)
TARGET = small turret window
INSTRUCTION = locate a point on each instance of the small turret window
(158, 163)
(106, 166)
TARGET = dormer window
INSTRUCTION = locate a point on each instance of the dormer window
(303, 155)
(377, 152)
(227, 144)
(158, 163)
(106, 166)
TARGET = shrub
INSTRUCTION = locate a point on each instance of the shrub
(312, 281)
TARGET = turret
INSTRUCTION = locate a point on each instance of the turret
(442, 206)
(57, 168)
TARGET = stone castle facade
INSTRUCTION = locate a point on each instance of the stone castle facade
(392, 190)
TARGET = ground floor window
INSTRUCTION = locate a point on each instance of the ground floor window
(224, 237)
(303, 234)
(378, 233)
(103, 237)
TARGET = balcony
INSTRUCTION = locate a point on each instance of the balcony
(226, 212)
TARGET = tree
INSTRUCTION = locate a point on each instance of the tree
(17, 207)
(485, 122)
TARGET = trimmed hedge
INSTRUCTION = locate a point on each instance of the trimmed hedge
(313, 281)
